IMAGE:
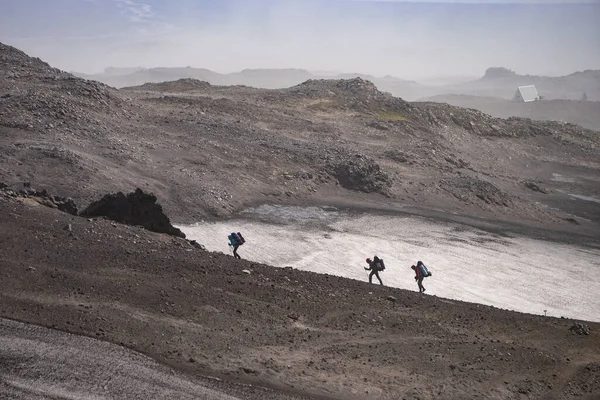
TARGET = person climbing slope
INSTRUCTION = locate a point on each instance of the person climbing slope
(419, 278)
(235, 241)
(421, 272)
(375, 266)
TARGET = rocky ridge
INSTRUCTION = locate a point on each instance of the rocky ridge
(212, 150)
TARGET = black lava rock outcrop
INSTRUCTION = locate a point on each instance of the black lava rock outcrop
(136, 208)
(362, 174)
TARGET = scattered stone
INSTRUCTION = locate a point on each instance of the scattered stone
(44, 198)
(68, 228)
(247, 272)
(472, 190)
(535, 187)
(197, 245)
(580, 329)
(396, 155)
(377, 125)
(391, 298)
(248, 370)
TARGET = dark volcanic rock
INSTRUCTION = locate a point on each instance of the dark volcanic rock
(362, 174)
(137, 208)
(65, 204)
(580, 329)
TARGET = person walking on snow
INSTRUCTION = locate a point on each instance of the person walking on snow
(419, 278)
(375, 266)
(235, 241)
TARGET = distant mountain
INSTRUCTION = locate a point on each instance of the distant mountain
(267, 78)
(113, 78)
(259, 78)
(584, 113)
(496, 82)
(502, 82)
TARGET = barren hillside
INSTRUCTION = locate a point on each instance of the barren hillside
(211, 150)
(315, 334)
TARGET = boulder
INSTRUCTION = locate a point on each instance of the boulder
(362, 174)
(64, 204)
(136, 208)
(580, 329)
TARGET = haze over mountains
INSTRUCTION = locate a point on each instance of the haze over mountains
(496, 82)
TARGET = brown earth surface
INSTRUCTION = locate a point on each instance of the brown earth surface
(307, 333)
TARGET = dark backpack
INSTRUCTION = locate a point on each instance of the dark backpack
(241, 238)
(236, 239)
(378, 263)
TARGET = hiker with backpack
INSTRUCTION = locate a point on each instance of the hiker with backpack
(235, 241)
(421, 272)
(375, 266)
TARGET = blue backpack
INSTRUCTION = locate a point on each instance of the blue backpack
(424, 269)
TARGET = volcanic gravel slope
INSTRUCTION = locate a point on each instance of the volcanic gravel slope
(209, 314)
(210, 151)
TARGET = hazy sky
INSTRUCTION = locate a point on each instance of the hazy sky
(413, 40)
